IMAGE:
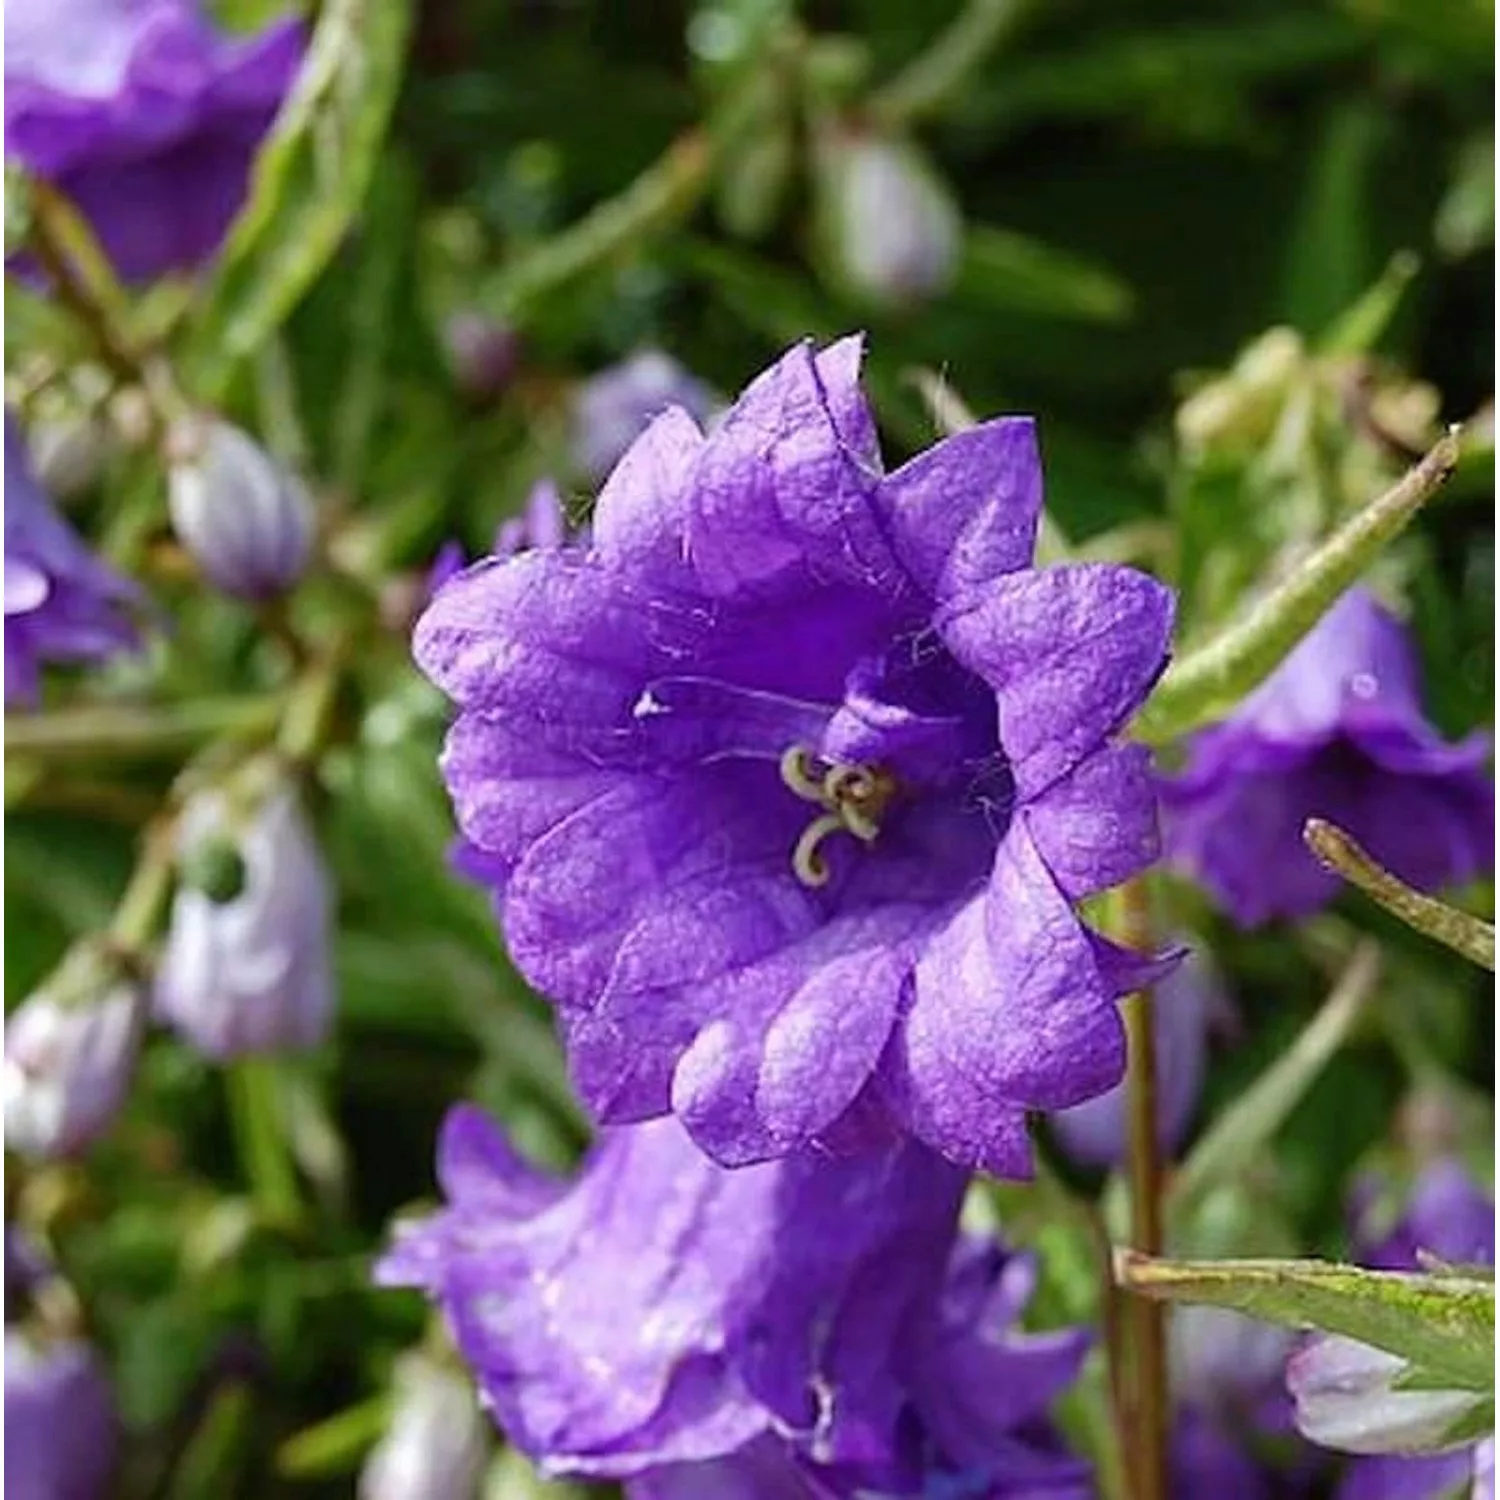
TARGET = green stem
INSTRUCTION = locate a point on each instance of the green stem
(1148, 1389)
(255, 1107)
(1455, 929)
(140, 909)
(308, 720)
(336, 1444)
(118, 731)
(207, 1464)
(936, 75)
(1204, 685)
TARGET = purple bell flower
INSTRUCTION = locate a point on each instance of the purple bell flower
(1448, 1215)
(70, 1055)
(789, 782)
(612, 409)
(246, 967)
(1335, 732)
(145, 116)
(61, 602)
(60, 1425)
(811, 1323)
(1097, 1132)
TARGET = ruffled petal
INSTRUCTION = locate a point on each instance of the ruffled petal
(1071, 653)
(1097, 826)
(1009, 1012)
(779, 490)
(966, 510)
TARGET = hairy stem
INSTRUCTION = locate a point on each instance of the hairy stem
(1455, 929)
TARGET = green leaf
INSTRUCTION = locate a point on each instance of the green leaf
(308, 183)
(1019, 274)
(1443, 1325)
(1206, 684)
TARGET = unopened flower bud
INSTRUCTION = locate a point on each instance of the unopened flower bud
(483, 354)
(70, 1053)
(436, 1445)
(1348, 1396)
(1237, 410)
(892, 228)
(245, 967)
(245, 520)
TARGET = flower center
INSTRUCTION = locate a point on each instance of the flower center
(853, 797)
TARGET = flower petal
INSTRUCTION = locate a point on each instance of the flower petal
(1009, 1012)
(966, 510)
(1071, 652)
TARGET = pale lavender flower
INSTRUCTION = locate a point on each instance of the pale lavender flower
(246, 967)
(612, 409)
(60, 1424)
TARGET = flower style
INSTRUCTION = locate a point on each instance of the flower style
(61, 603)
(246, 967)
(1336, 732)
(612, 409)
(788, 783)
(60, 1425)
(144, 116)
(808, 1326)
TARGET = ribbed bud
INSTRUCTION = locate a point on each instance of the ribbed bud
(246, 966)
(890, 225)
(244, 519)
(437, 1442)
(1348, 1396)
(70, 1053)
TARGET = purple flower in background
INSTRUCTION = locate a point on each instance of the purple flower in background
(789, 782)
(246, 966)
(1448, 1215)
(483, 354)
(612, 409)
(70, 1055)
(1186, 1003)
(811, 1322)
(60, 1427)
(145, 116)
(61, 602)
(1336, 732)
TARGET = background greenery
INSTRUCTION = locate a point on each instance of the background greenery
(1148, 186)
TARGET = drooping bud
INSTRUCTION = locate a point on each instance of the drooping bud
(244, 519)
(245, 967)
(70, 1053)
(60, 1425)
(436, 1445)
(483, 354)
(891, 228)
(1349, 1397)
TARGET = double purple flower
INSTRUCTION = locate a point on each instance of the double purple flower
(788, 783)
(145, 116)
(1337, 732)
(61, 602)
(807, 1327)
